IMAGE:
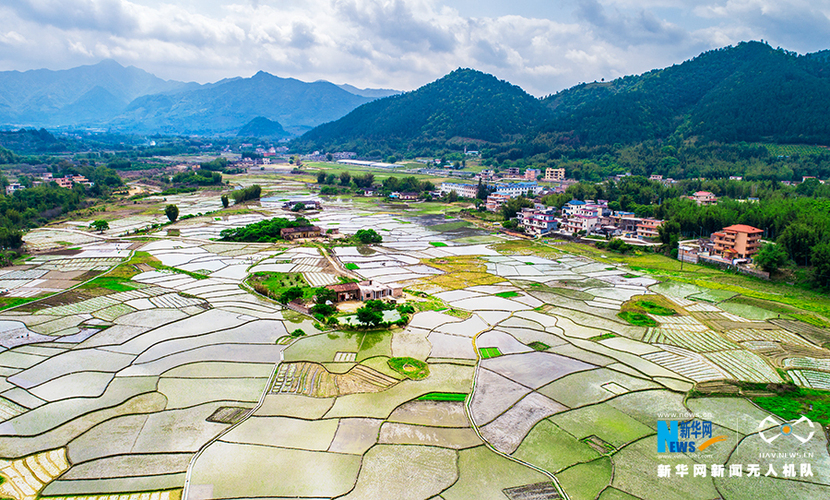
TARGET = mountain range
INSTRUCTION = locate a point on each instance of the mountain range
(127, 99)
(749, 92)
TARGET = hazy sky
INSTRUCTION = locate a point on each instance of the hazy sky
(543, 46)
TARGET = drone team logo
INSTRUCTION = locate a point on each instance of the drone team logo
(796, 430)
(683, 436)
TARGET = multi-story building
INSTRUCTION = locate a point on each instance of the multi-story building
(11, 188)
(462, 190)
(704, 198)
(647, 228)
(537, 221)
(571, 207)
(738, 241)
(518, 189)
(495, 201)
(531, 174)
(554, 174)
(577, 223)
(513, 172)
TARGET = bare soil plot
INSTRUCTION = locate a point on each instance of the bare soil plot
(313, 474)
(551, 448)
(482, 474)
(508, 430)
(493, 395)
(292, 405)
(503, 340)
(404, 472)
(592, 386)
(128, 466)
(443, 377)
(635, 469)
(450, 346)
(355, 435)
(284, 432)
(534, 369)
(184, 430)
(434, 413)
(608, 423)
(585, 481)
(444, 437)
(186, 392)
(117, 486)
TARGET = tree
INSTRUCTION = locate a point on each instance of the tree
(770, 257)
(225, 201)
(323, 295)
(369, 316)
(321, 177)
(391, 159)
(821, 261)
(452, 196)
(367, 236)
(329, 157)
(292, 293)
(513, 206)
(100, 225)
(669, 233)
(798, 238)
(482, 191)
(172, 212)
(298, 206)
(10, 238)
(345, 178)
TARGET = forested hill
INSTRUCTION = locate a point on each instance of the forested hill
(465, 106)
(750, 92)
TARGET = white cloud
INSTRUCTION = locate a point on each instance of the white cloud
(395, 43)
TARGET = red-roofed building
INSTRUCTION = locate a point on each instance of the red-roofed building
(739, 241)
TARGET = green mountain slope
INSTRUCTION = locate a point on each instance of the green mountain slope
(262, 127)
(465, 106)
(750, 92)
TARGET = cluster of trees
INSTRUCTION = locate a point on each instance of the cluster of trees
(248, 193)
(263, 231)
(34, 207)
(406, 185)
(345, 179)
(198, 178)
(368, 236)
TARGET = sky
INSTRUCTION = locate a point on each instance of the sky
(543, 46)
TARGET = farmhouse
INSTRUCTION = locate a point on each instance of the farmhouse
(365, 290)
(294, 233)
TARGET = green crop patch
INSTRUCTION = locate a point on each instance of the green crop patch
(637, 319)
(437, 243)
(351, 266)
(443, 396)
(539, 346)
(507, 295)
(489, 352)
(656, 308)
(412, 368)
(604, 336)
